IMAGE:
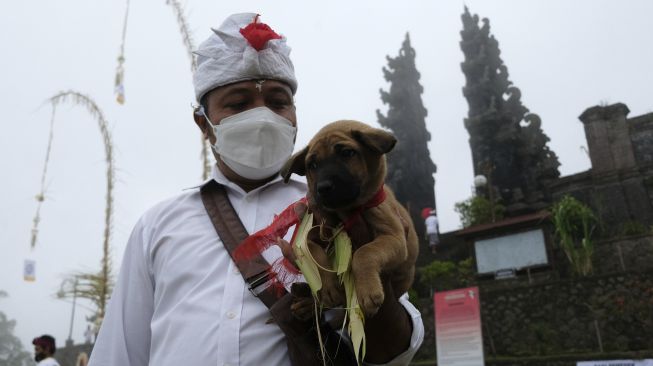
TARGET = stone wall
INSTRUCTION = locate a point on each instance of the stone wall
(641, 135)
(551, 313)
(619, 187)
(571, 316)
(564, 317)
(608, 137)
(617, 197)
(627, 254)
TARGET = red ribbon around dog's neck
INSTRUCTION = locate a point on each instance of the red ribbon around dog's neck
(376, 200)
(282, 271)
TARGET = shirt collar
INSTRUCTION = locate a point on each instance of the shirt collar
(217, 176)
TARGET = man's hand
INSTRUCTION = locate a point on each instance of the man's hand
(303, 304)
(388, 332)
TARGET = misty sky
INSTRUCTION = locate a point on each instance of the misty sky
(565, 56)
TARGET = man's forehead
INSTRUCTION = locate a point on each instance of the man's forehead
(261, 85)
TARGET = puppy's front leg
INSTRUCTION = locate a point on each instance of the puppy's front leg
(387, 251)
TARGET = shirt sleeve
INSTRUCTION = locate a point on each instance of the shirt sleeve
(416, 338)
(124, 337)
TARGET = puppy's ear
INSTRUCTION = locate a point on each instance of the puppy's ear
(295, 165)
(375, 139)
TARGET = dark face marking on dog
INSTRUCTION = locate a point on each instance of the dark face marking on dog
(333, 184)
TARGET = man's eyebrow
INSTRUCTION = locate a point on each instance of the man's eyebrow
(279, 89)
(236, 90)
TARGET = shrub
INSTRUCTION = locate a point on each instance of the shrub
(574, 223)
(478, 210)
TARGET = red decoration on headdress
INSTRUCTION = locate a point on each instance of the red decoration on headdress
(258, 34)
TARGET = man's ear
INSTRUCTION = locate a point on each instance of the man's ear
(296, 164)
(201, 122)
(375, 139)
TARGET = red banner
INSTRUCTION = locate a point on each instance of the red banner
(458, 335)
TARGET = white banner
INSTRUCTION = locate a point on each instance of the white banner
(29, 270)
(647, 362)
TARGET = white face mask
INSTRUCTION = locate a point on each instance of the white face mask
(255, 143)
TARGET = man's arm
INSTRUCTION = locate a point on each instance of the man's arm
(124, 338)
(394, 333)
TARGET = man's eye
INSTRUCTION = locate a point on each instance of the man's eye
(278, 103)
(236, 106)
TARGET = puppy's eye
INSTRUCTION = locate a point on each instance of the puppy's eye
(312, 165)
(347, 153)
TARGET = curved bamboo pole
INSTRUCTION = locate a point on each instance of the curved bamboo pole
(40, 197)
(102, 281)
(190, 46)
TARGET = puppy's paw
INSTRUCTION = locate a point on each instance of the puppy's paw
(370, 300)
(331, 297)
(369, 288)
(331, 294)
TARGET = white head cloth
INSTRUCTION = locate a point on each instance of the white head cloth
(227, 57)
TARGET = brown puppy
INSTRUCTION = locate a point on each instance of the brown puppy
(345, 168)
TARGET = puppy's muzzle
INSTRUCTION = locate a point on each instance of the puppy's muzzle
(325, 188)
(335, 191)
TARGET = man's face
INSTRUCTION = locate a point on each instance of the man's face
(40, 353)
(234, 98)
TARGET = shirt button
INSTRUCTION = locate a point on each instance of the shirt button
(231, 315)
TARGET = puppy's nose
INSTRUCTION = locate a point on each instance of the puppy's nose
(325, 187)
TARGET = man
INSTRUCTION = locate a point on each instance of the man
(44, 348)
(180, 299)
(432, 230)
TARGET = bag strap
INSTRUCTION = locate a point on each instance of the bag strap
(301, 336)
(232, 231)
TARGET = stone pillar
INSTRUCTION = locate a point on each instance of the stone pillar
(608, 137)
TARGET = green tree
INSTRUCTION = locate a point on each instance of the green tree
(410, 168)
(12, 352)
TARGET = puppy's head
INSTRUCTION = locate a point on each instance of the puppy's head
(344, 164)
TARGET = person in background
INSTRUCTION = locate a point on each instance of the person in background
(432, 230)
(44, 348)
(88, 334)
(180, 299)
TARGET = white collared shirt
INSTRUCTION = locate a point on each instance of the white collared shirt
(48, 362)
(431, 224)
(179, 298)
